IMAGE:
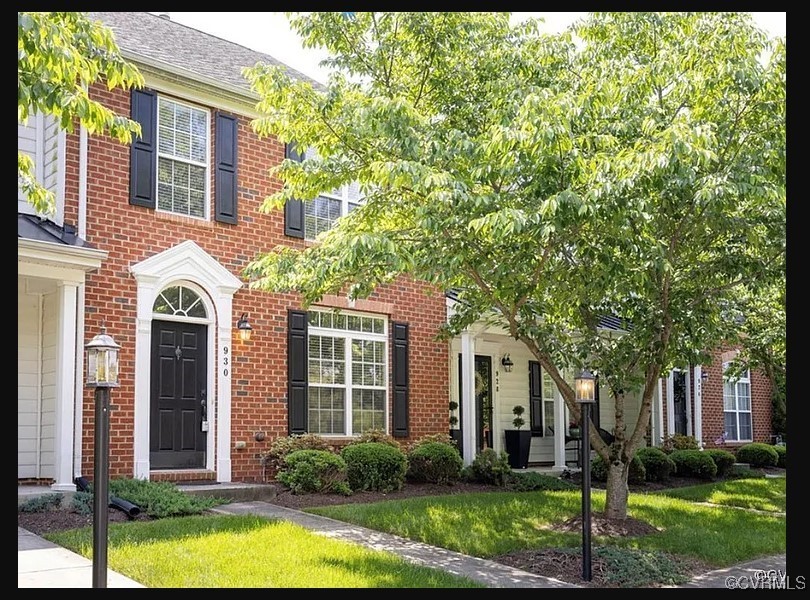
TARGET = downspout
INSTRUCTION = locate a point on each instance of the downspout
(82, 225)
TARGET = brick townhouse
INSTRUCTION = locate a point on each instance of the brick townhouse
(150, 241)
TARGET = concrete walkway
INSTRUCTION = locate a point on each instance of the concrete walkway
(43, 564)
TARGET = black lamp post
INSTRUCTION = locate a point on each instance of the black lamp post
(586, 397)
(102, 374)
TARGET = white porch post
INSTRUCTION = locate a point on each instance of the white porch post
(699, 405)
(688, 378)
(65, 400)
(658, 414)
(468, 396)
(559, 432)
(670, 405)
(221, 429)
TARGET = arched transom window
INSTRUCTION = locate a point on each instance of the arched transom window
(179, 300)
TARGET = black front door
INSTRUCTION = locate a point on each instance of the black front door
(178, 396)
(483, 400)
(679, 401)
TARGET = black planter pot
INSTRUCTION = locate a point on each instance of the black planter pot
(518, 443)
(456, 435)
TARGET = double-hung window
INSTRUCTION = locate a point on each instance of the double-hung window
(737, 406)
(347, 369)
(183, 154)
(321, 213)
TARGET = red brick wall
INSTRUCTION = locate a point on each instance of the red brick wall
(712, 401)
(259, 371)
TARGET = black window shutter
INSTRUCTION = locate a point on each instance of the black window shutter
(535, 398)
(297, 371)
(142, 158)
(225, 192)
(401, 382)
(293, 209)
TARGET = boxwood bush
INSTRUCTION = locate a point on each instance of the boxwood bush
(781, 452)
(314, 471)
(434, 462)
(694, 463)
(489, 467)
(658, 466)
(283, 446)
(375, 466)
(758, 455)
(723, 459)
(637, 473)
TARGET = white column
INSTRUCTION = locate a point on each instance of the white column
(143, 361)
(559, 432)
(65, 370)
(78, 393)
(670, 405)
(657, 415)
(688, 379)
(221, 429)
(699, 405)
(468, 396)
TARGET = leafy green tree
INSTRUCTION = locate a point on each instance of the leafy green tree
(633, 165)
(59, 54)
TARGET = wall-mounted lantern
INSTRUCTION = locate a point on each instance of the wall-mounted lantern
(243, 325)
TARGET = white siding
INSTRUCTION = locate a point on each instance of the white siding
(27, 381)
(49, 340)
(40, 139)
(36, 390)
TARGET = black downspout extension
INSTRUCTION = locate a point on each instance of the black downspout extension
(130, 509)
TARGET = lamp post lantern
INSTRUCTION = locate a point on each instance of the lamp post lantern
(102, 374)
(586, 396)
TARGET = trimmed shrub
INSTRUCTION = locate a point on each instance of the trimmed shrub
(723, 459)
(374, 466)
(375, 435)
(314, 471)
(679, 441)
(434, 462)
(42, 503)
(442, 438)
(529, 481)
(283, 446)
(490, 467)
(758, 455)
(658, 466)
(694, 463)
(781, 452)
(637, 473)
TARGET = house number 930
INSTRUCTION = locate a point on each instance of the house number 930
(225, 361)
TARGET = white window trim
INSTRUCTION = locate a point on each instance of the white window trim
(344, 200)
(349, 335)
(206, 164)
(737, 410)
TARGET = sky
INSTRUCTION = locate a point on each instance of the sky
(269, 32)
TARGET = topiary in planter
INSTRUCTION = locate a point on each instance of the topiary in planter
(657, 465)
(758, 455)
(723, 459)
(694, 463)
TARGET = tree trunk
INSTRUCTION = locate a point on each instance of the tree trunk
(617, 490)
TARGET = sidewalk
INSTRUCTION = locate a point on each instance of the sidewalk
(43, 564)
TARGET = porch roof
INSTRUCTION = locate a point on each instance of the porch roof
(35, 228)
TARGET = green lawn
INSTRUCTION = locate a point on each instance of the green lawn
(245, 552)
(761, 494)
(487, 525)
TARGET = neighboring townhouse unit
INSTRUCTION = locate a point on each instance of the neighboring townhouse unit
(172, 221)
(490, 373)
